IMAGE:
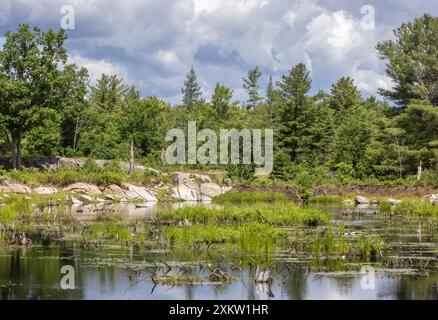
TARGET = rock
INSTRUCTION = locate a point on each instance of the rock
(180, 177)
(45, 190)
(113, 190)
(83, 187)
(186, 193)
(109, 197)
(188, 188)
(70, 163)
(13, 187)
(86, 198)
(136, 192)
(393, 201)
(75, 201)
(348, 202)
(203, 178)
(361, 200)
(433, 199)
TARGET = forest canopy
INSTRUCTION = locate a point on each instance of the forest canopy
(48, 107)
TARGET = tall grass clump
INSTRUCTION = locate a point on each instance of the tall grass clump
(280, 214)
(247, 238)
(416, 209)
(111, 228)
(15, 206)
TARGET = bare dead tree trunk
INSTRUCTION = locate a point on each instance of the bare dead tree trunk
(420, 170)
(131, 158)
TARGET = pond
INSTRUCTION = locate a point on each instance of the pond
(408, 271)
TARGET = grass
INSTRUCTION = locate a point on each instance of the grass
(281, 214)
(330, 199)
(363, 246)
(416, 209)
(14, 207)
(235, 197)
(111, 228)
(248, 238)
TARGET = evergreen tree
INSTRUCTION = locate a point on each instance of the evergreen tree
(412, 61)
(250, 84)
(344, 94)
(221, 98)
(293, 89)
(191, 91)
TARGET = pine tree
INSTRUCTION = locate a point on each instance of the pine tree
(251, 86)
(344, 94)
(191, 91)
(293, 90)
(412, 61)
(220, 99)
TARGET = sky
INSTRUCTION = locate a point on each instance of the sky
(153, 43)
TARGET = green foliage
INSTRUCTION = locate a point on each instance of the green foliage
(412, 61)
(283, 213)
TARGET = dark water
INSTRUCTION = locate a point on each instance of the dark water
(125, 273)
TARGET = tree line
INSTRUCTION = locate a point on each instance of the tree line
(48, 107)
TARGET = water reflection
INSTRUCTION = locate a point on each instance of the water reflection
(34, 273)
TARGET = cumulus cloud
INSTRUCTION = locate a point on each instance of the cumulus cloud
(153, 43)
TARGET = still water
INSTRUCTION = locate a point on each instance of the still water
(125, 273)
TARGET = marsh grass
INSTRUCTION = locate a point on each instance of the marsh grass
(249, 238)
(15, 207)
(281, 214)
(416, 209)
(335, 245)
(111, 228)
(240, 198)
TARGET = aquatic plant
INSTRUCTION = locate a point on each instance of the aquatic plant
(280, 214)
(412, 208)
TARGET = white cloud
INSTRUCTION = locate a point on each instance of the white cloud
(98, 67)
(154, 43)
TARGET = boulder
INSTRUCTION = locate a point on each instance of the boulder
(13, 187)
(188, 188)
(70, 163)
(83, 187)
(86, 198)
(75, 201)
(433, 199)
(361, 200)
(393, 201)
(136, 192)
(45, 190)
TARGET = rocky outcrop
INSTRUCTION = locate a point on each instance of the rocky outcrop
(8, 186)
(45, 190)
(189, 187)
(130, 192)
(361, 200)
(81, 187)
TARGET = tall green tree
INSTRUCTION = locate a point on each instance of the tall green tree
(250, 84)
(30, 63)
(344, 94)
(139, 123)
(191, 91)
(221, 99)
(412, 61)
(293, 89)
